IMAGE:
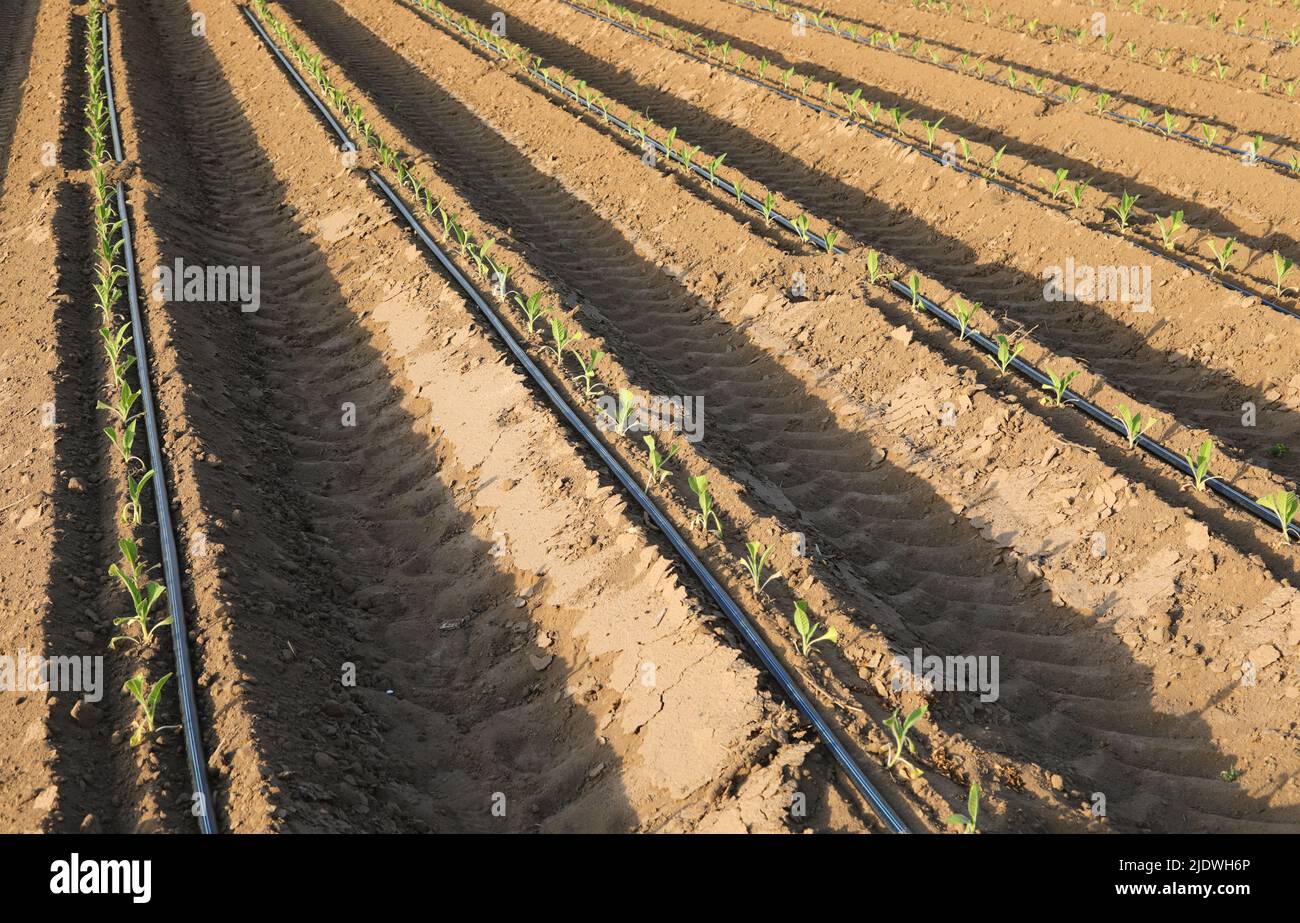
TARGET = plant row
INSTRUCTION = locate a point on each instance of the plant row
(132, 571)
(1216, 258)
(651, 136)
(1171, 125)
(1100, 40)
(570, 363)
(1282, 503)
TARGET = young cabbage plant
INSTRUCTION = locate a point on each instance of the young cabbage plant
(1283, 504)
(562, 337)
(1007, 352)
(808, 629)
(1058, 386)
(132, 509)
(899, 728)
(587, 362)
(659, 461)
(968, 821)
(755, 560)
(531, 305)
(914, 286)
(1134, 424)
(148, 697)
(1054, 185)
(1170, 228)
(1200, 465)
(1223, 252)
(801, 227)
(622, 415)
(769, 202)
(144, 596)
(964, 312)
(699, 486)
(1282, 267)
(1123, 209)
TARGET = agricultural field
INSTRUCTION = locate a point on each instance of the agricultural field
(708, 416)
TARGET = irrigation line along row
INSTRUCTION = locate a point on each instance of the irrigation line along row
(1220, 486)
(166, 535)
(533, 71)
(716, 591)
(1056, 97)
(1221, 281)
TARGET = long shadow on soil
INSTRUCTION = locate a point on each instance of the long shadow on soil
(587, 258)
(336, 548)
(1073, 329)
(999, 61)
(669, 110)
(17, 28)
(771, 165)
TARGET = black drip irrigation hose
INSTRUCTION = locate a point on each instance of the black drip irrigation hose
(736, 615)
(1220, 486)
(533, 71)
(952, 165)
(166, 535)
(1056, 97)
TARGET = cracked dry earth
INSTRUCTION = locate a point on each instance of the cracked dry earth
(419, 603)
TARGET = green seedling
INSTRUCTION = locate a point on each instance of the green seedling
(769, 202)
(930, 129)
(829, 238)
(144, 595)
(1200, 465)
(622, 415)
(1282, 267)
(968, 821)
(873, 267)
(1230, 775)
(1103, 100)
(148, 697)
(531, 305)
(995, 163)
(658, 461)
(964, 312)
(713, 168)
(1058, 386)
(914, 286)
(562, 338)
(587, 362)
(755, 560)
(1223, 252)
(1134, 424)
(1283, 504)
(1123, 209)
(1077, 191)
(808, 629)
(1170, 228)
(699, 486)
(1053, 186)
(1007, 352)
(899, 116)
(801, 227)
(123, 440)
(1278, 450)
(132, 509)
(121, 407)
(899, 728)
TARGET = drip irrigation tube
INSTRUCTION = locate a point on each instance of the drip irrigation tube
(533, 71)
(1220, 486)
(166, 534)
(930, 155)
(716, 591)
(1227, 149)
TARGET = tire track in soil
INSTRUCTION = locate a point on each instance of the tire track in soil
(17, 27)
(328, 547)
(1115, 156)
(1169, 378)
(948, 578)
